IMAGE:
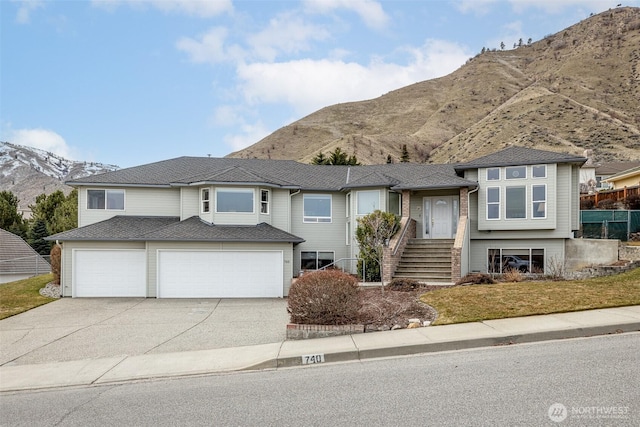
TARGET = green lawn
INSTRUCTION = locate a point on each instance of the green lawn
(23, 295)
(483, 302)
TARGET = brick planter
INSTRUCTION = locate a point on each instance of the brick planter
(297, 331)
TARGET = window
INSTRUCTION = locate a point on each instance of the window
(317, 208)
(539, 171)
(524, 260)
(264, 201)
(238, 200)
(516, 172)
(206, 200)
(515, 202)
(493, 174)
(539, 199)
(313, 260)
(493, 203)
(395, 203)
(368, 201)
(105, 199)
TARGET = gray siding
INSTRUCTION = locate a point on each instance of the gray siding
(280, 210)
(553, 250)
(137, 201)
(189, 202)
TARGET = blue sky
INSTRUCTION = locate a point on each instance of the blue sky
(128, 82)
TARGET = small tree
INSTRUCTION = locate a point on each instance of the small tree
(10, 219)
(404, 158)
(320, 159)
(502, 45)
(372, 234)
(36, 235)
(56, 260)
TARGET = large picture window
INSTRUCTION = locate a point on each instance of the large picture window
(238, 200)
(516, 202)
(493, 203)
(539, 201)
(524, 260)
(368, 201)
(317, 208)
(313, 260)
(105, 199)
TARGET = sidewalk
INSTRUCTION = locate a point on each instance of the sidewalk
(335, 349)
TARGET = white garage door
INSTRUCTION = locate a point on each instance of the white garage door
(109, 273)
(219, 274)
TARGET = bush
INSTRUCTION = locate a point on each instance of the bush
(632, 202)
(56, 252)
(476, 279)
(586, 204)
(327, 297)
(403, 285)
(606, 204)
(512, 275)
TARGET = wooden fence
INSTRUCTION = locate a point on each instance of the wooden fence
(619, 194)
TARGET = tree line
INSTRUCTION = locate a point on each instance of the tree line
(51, 214)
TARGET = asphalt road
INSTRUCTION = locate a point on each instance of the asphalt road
(595, 381)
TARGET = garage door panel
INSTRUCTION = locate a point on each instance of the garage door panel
(220, 274)
(109, 273)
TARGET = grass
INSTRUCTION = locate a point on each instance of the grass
(22, 295)
(483, 302)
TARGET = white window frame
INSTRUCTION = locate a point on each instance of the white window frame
(367, 212)
(493, 169)
(106, 199)
(493, 203)
(265, 197)
(399, 195)
(534, 202)
(205, 203)
(506, 202)
(534, 167)
(508, 168)
(237, 190)
(315, 218)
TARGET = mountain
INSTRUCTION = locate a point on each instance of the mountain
(28, 172)
(573, 91)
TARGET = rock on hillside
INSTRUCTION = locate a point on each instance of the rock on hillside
(575, 90)
(28, 172)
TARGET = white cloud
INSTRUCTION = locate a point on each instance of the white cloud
(23, 16)
(250, 134)
(308, 85)
(43, 139)
(371, 12)
(479, 7)
(209, 48)
(286, 33)
(199, 8)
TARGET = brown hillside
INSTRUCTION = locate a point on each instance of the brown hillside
(575, 90)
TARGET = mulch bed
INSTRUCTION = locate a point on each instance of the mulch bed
(393, 308)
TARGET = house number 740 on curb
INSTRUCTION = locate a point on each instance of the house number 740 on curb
(310, 359)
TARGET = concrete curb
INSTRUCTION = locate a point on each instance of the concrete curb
(344, 348)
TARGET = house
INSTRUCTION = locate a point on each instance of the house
(626, 178)
(222, 227)
(18, 260)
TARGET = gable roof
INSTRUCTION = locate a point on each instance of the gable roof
(17, 257)
(611, 168)
(513, 156)
(624, 174)
(149, 228)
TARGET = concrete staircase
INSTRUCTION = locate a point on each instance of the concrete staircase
(426, 260)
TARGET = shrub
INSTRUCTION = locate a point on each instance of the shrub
(586, 204)
(632, 202)
(512, 275)
(606, 204)
(327, 297)
(56, 252)
(403, 284)
(476, 279)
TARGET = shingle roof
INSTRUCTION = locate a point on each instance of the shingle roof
(17, 257)
(611, 168)
(512, 156)
(145, 228)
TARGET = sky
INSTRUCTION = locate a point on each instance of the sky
(129, 82)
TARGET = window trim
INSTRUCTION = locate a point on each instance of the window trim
(493, 179)
(533, 176)
(498, 203)
(358, 201)
(264, 203)
(506, 202)
(534, 201)
(106, 199)
(203, 200)
(506, 172)
(237, 190)
(317, 252)
(314, 219)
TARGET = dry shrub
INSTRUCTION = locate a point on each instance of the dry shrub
(328, 297)
(476, 279)
(403, 285)
(56, 257)
(512, 275)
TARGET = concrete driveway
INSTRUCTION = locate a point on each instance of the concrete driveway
(88, 328)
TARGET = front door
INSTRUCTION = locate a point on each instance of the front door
(440, 217)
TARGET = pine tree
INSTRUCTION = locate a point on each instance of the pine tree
(37, 233)
(404, 158)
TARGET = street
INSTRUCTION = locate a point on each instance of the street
(588, 381)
